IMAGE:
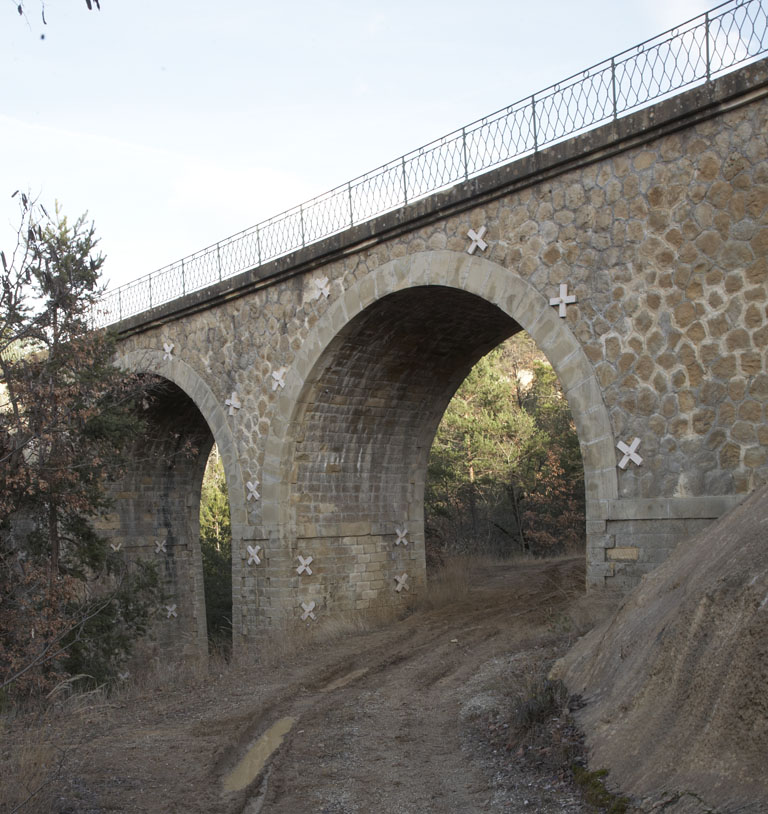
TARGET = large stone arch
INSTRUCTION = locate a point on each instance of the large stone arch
(484, 280)
(158, 494)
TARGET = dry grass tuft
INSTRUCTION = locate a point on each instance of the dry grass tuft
(450, 583)
(28, 765)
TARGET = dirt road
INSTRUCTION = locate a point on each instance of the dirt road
(403, 718)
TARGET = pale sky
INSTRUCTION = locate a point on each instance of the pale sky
(177, 123)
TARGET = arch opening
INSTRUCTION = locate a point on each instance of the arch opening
(156, 515)
(216, 551)
(505, 475)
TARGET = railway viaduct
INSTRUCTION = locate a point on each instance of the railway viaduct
(635, 255)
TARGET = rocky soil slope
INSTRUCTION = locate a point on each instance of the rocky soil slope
(676, 682)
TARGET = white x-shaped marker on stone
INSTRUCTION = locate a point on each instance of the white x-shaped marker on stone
(253, 554)
(304, 566)
(233, 402)
(171, 611)
(160, 546)
(123, 676)
(630, 453)
(167, 350)
(322, 288)
(564, 299)
(115, 546)
(401, 535)
(308, 607)
(477, 240)
(278, 377)
(253, 490)
(402, 582)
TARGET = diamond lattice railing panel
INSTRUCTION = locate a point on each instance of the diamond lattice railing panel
(569, 109)
(281, 235)
(327, 215)
(239, 254)
(438, 165)
(737, 34)
(201, 270)
(378, 192)
(500, 138)
(655, 70)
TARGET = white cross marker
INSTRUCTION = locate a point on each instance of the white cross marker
(308, 607)
(322, 288)
(630, 453)
(401, 535)
(253, 490)
(477, 240)
(278, 377)
(233, 403)
(123, 676)
(253, 554)
(304, 566)
(115, 546)
(402, 582)
(160, 546)
(171, 611)
(564, 299)
(167, 350)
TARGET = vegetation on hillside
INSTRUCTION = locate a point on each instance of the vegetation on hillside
(216, 547)
(505, 471)
(68, 604)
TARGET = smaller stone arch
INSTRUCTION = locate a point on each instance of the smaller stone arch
(187, 379)
(170, 502)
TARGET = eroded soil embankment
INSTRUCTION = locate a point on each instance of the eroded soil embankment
(676, 683)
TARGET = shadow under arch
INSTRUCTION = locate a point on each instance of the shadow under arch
(160, 496)
(501, 303)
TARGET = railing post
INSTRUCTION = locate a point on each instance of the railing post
(706, 38)
(301, 218)
(351, 210)
(613, 88)
(150, 290)
(533, 117)
(183, 279)
(120, 302)
(405, 183)
(218, 260)
(464, 151)
(258, 245)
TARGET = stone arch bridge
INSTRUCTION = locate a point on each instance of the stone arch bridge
(635, 257)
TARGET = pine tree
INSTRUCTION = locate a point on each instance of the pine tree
(67, 416)
(505, 472)
(216, 548)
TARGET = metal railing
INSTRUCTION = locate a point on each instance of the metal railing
(706, 46)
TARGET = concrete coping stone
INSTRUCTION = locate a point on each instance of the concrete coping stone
(670, 508)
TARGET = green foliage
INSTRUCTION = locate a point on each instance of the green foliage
(66, 417)
(505, 471)
(216, 547)
(595, 793)
(110, 624)
(545, 700)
